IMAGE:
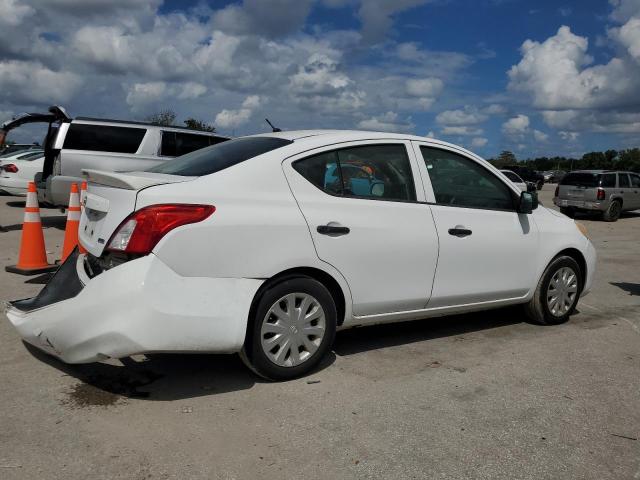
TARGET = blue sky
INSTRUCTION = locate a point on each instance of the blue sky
(538, 78)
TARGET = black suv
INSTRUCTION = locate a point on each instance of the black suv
(527, 174)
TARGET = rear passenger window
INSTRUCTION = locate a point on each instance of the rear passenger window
(635, 181)
(608, 180)
(623, 178)
(104, 138)
(175, 144)
(380, 172)
(461, 182)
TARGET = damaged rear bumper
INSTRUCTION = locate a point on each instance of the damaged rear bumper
(141, 306)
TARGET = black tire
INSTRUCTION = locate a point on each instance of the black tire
(253, 353)
(538, 309)
(612, 213)
(569, 212)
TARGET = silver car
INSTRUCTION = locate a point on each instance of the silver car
(606, 191)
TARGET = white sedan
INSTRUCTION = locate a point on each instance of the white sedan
(266, 245)
(15, 174)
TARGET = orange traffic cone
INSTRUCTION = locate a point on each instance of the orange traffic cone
(83, 194)
(73, 223)
(33, 256)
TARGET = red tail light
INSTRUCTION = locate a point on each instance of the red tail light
(601, 195)
(141, 231)
(557, 191)
(10, 167)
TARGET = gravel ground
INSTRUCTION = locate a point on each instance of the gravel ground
(475, 396)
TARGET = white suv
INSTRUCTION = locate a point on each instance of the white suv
(113, 145)
(266, 245)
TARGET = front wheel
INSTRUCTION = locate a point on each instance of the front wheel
(557, 293)
(292, 329)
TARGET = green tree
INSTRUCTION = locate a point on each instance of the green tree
(195, 124)
(163, 118)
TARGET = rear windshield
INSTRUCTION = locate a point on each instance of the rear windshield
(581, 179)
(218, 157)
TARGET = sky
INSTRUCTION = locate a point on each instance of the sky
(539, 78)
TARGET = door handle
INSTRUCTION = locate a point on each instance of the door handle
(332, 230)
(460, 231)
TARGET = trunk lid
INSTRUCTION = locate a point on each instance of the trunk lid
(110, 198)
(577, 187)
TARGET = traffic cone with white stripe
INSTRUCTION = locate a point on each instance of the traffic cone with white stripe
(83, 194)
(32, 259)
(73, 223)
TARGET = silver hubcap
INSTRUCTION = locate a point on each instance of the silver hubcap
(562, 291)
(293, 329)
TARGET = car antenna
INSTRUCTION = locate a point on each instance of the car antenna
(273, 129)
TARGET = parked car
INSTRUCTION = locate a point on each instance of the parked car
(528, 175)
(13, 148)
(112, 145)
(554, 176)
(604, 191)
(19, 155)
(15, 176)
(244, 247)
(517, 181)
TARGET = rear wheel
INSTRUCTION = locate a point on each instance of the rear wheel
(569, 212)
(557, 293)
(612, 213)
(292, 329)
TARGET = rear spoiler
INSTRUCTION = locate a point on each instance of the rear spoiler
(130, 180)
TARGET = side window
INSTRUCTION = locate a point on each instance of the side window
(608, 180)
(103, 138)
(381, 172)
(635, 180)
(460, 182)
(168, 145)
(623, 178)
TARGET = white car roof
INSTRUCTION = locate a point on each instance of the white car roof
(336, 136)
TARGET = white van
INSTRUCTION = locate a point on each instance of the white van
(112, 145)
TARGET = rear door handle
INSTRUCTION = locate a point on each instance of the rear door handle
(332, 230)
(460, 231)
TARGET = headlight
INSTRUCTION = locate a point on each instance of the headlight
(582, 229)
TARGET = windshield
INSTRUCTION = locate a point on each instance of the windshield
(581, 179)
(512, 176)
(218, 157)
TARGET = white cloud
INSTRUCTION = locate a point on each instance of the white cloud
(191, 90)
(230, 119)
(479, 142)
(495, 109)
(22, 81)
(463, 130)
(569, 136)
(629, 37)
(468, 116)
(376, 16)
(540, 136)
(142, 94)
(387, 122)
(13, 13)
(515, 126)
(424, 87)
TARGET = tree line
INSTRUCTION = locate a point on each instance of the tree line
(628, 159)
(167, 118)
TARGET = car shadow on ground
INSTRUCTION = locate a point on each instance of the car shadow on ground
(164, 377)
(58, 221)
(358, 340)
(630, 288)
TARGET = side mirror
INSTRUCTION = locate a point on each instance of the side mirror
(528, 202)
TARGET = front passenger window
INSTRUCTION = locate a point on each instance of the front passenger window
(461, 182)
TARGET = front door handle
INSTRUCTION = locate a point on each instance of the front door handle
(459, 231)
(332, 230)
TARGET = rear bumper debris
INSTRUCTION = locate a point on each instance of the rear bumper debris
(141, 306)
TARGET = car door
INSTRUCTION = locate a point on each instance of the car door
(635, 190)
(487, 250)
(362, 204)
(628, 197)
